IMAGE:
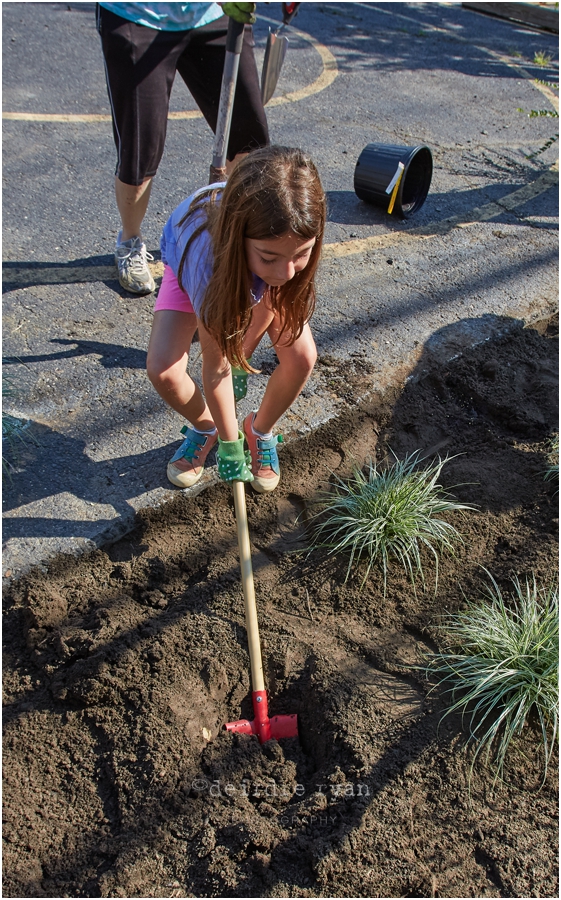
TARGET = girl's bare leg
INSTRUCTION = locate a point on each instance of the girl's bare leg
(218, 386)
(287, 381)
(166, 364)
(295, 366)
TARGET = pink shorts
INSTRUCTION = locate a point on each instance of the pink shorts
(171, 296)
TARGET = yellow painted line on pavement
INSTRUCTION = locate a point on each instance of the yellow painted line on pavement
(327, 76)
(53, 117)
(27, 276)
(86, 117)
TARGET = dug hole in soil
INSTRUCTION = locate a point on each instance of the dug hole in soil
(121, 667)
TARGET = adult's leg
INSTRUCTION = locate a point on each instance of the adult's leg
(201, 64)
(140, 65)
(166, 364)
(132, 203)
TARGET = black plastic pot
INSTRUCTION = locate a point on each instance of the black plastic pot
(377, 166)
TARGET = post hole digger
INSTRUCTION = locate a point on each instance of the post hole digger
(262, 725)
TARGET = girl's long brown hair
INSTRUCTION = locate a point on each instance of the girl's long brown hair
(271, 192)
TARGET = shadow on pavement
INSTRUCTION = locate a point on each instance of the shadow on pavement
(345, 208)
(396, 38)
(54, 464)
(113, 356)
(28, 273)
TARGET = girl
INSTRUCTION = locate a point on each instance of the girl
(240, 260)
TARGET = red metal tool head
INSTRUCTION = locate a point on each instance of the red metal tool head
(265, 728)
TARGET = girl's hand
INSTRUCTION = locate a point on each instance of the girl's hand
(239, 380)
(217, 384)
(234, 464)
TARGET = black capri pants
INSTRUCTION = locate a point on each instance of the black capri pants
(140, 67)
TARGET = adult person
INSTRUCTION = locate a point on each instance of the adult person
(144, 45)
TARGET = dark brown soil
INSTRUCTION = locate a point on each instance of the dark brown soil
(120, 669)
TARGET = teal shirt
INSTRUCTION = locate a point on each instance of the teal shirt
(167, 16)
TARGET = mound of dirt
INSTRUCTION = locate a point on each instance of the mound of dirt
(121, 667)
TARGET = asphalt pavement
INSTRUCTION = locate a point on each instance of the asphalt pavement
(479, 257)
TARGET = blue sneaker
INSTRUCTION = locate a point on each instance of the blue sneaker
(264, 458)
(187, 464)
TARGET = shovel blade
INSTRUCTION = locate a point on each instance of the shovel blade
(275, 53)
(278, 727)
(284, 727)
(242, 726)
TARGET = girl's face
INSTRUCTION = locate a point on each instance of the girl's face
(277, 260)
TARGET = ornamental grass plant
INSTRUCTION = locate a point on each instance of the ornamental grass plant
(12, 426)
(500, 668)
(552, 472)
(387, 514)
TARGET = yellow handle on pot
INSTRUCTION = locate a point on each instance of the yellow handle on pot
(401, 170)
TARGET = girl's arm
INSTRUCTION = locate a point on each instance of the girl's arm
(217, 384)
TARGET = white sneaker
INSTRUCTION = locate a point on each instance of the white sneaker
(131, 259)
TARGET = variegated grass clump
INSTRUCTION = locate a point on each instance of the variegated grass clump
(500, 667)
(12, 426)
(388, 514)
(552, 473)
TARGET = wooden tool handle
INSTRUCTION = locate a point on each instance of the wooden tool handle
(234, 42)
(252, 625)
